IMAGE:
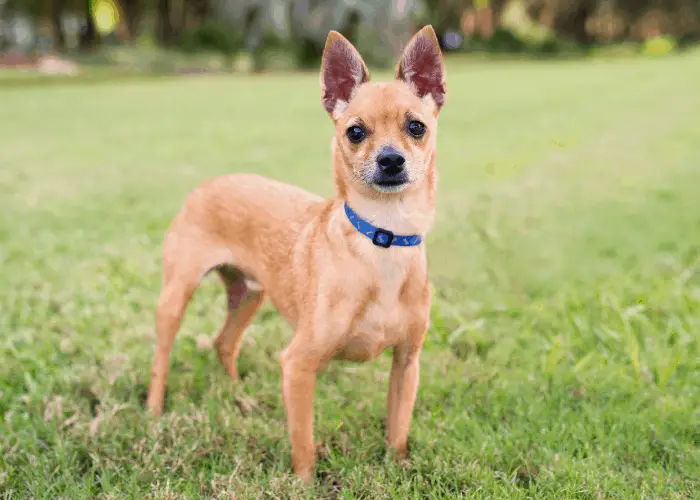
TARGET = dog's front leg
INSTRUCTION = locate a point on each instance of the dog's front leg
(403, 386)
(298, 383)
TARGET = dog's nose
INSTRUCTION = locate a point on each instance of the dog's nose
(391, 162)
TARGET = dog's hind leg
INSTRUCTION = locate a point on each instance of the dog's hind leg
(243, 302)
(183, 272)
(174, 296)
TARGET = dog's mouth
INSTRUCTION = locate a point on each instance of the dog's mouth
(391, 182)
(390, 185)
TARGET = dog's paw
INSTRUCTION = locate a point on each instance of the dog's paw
(397, 455)
(306, 475)
(229, 363)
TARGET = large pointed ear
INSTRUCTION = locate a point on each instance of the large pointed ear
(342, 71)
(421, 66)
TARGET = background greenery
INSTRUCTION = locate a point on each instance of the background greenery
(295, 30)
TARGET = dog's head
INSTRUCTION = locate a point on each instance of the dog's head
(385, 133)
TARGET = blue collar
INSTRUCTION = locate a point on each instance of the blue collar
(380, 237)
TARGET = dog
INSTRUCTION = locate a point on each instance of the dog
(349, 274)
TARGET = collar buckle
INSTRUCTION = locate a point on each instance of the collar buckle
(383, 238)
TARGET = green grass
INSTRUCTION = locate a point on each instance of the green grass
(563, 360)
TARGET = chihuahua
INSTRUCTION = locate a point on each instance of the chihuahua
(349, 274)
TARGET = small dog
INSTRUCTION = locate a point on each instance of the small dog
(350, 273)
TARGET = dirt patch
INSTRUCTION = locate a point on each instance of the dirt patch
(49, 64)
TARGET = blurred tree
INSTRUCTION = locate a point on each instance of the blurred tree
(645, 18)
(200, 9)
(637, 18)
(35, 9)
(59, 35)
(378, 27)
(165, 33)
(302, 25)
(498, 6)
(133, 10)
(572, 18)
(89, 37)
(445, 15)
(310, 21)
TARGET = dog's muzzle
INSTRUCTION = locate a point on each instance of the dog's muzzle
(390, 172)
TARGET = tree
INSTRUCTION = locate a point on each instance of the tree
(89, 36)
(164, 25)
(569, 18)
(59, 35)
(133, 10)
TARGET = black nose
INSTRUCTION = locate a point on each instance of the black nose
(390, 162)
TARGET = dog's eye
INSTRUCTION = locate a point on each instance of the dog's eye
(356, 133)
(416, 128)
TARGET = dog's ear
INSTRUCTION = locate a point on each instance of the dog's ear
(421, 66)
(342, 71)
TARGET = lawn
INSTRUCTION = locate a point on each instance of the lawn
(563, 360)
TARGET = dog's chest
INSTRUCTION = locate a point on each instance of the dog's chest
(384, 311)
(384, 319)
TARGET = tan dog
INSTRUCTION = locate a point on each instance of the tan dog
(350, 288)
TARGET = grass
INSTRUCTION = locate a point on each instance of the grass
(563, 360)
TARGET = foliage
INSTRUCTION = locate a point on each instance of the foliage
(305, 24)
(31, 7)
(379, 28)
(211, 36)
(659, 46)
(628, 19)
(563, 357)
